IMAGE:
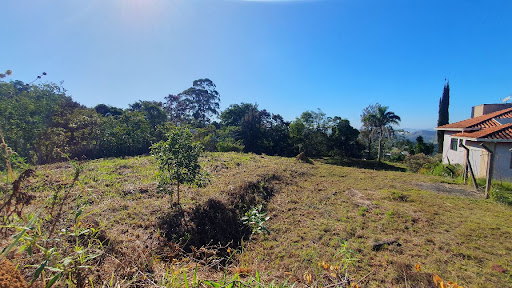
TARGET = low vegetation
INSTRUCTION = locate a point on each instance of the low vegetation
(262, 220)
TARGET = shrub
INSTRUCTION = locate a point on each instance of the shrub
(446, 170)
(230, 145)
(397, 157)
(416, 162)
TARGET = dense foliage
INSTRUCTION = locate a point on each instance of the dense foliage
(43, 124)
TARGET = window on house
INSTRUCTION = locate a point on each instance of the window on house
(454, 144)
(510, 159)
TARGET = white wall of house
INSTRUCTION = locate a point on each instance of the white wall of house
(449, 155)
(458, 156)
(479, 157)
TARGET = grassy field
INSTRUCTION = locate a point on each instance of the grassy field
(376, 221)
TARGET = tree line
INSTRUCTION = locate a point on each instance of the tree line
(42, 124)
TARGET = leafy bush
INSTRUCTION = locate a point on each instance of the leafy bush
(432, 166)
(446, 170)
(416, 162)
(397, 157)
(256, 219)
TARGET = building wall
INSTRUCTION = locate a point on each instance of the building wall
(451, 156)
(479, 157)
(476, 154)
(488, 108)
(502, 162)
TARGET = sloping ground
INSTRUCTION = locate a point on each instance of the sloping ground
(317, 213)
(451, 189)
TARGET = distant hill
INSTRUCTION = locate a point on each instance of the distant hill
(428, 135)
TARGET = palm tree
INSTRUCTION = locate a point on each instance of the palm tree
(380, 122)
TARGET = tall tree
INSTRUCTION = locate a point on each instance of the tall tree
(202, 100)
(309, 133)
(367, 128)
(343, 138)
(177, 109)
(152, 110)
(248, 118)
(382, 122)
(422, 147)
(444, 118)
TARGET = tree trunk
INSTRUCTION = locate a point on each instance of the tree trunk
(379, 155)
(369, 147)
(178, 192)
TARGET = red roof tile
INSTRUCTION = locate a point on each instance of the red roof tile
(501, 132)
(484, 121)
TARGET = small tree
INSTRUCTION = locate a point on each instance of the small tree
(178, 159)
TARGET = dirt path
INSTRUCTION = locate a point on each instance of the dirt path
(450, 189)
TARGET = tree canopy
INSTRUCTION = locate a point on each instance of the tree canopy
(41, 122)
(380, 122)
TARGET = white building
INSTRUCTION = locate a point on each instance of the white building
(490, 125)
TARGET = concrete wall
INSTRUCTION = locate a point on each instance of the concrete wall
(488, 108)
(479, 157)
(451, 156)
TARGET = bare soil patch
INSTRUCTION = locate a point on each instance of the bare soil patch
(359, 199)
(450, 189)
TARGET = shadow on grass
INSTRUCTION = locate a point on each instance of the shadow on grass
(212, 223)
(217, 224)
(362, 164)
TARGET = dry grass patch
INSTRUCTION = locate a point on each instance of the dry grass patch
(321, 213)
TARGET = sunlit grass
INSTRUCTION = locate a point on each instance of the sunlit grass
(316, 209)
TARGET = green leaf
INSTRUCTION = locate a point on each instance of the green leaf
(66, 261)
(91, 256)
(54, 269)
(78, 213)
(39, 271)
(185, 278)
(14, 243)
(213, 284)
(54, 279)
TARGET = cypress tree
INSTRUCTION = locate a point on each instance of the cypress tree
(443, 119)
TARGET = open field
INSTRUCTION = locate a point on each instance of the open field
(318, 212)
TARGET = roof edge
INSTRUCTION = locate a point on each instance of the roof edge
(486, 140)
(457, 129)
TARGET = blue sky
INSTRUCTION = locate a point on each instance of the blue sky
(288, 56)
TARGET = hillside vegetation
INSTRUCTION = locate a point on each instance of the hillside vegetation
(328, 223)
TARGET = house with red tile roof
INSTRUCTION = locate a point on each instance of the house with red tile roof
(490, 125)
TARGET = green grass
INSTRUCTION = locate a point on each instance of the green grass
(316, 210)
